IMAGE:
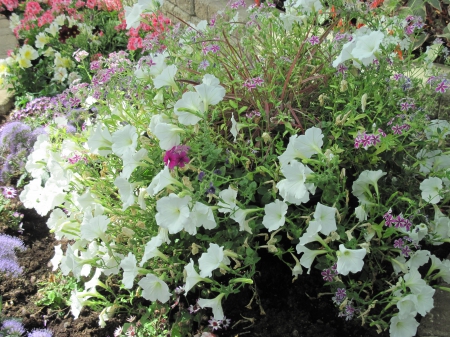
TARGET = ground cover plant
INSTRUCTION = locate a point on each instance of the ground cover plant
(307, 135)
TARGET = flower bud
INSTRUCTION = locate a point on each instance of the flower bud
(266, 137)
(344, 86)
(363, 102)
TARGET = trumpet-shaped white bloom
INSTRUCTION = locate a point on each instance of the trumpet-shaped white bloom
(360, 187)
(168, 135)
(56, 260)
(96, 228)
(156, 119)
(124, 140)
(311, 234)
(201, 215)
(239, 215)
(210, 91)
(406, 327)
(131, 160)
(308, 256)
(350, 260)
(294, 188)
(366, 47)
(130, 270)
(413, 280)
(133, 15)
(27, 52)
(151, 250)
(78, 300)
(210, 260)
(192, 102)
(303, 146)
(407, 306)
(215, 304)
(166, 78)
(326, 216)
(275, 215)
(173, 212)
(63, 226)
(192, 277)
(154, 289)
(227, 200)
(100, 141)
(161, 181)
(126, 192)
(425, 301)
(431, 188)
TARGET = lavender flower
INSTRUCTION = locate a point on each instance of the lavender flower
(8, 259)
(12, 327)
(40, 333)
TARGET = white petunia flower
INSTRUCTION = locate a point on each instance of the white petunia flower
(311, 234)
(430, 188)
(154, 289)
(124, 140)
(173, 212)
(303, 146)
(130, 270)
(275, 215)
(326, 216)
(189, 108)
(168, 135)
(403, 327)
(126, 192)
(366, 47)
(294, 188)
(161, 181)
(133, 15)
(151, 250)
(215, 304)
(350, 260)
(100, 141)
(308, 256)
(407, 306)
(192, 277)
(131, 160)
(95, 228)
(425, 300)
(210, 260)
(227, 200)
(166, 78)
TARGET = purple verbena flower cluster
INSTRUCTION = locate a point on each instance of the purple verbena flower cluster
(8, 259)
(177, 156)
(339, 296)
(397, 221)
(348, 312)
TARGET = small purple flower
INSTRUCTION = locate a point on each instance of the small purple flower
(314, 40)
(397, 77)
(406, 251)
(211, 189)
(442, 87)
(203, 65)
(12, 327)
(326, 275)
(398, 243)
(214, 48)
(9, 192)
(397, 129)
(40, 333)
(201, 175)
(382, 133)
(339, 296)
(341, 69)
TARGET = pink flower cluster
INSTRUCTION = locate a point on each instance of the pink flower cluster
(252, 83)
(365, 140)
(158, 25)
(10, 5)
(177, 156)
(398, 222)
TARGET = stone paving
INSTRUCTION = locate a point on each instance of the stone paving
(435, 324)
(7, 41)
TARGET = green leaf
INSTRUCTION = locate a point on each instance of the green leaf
(436, 4)
(233, 104)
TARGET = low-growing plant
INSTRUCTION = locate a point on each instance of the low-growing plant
(298, 133)
(55, 292)
(9, 264)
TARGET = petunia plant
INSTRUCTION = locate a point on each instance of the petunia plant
(296, 133)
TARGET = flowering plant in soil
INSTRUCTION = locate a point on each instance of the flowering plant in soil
(58, 38)
(295, 133)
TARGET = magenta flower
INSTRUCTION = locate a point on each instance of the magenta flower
(397, 129)
(442, 87)
(177, 156)
(314, 40)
